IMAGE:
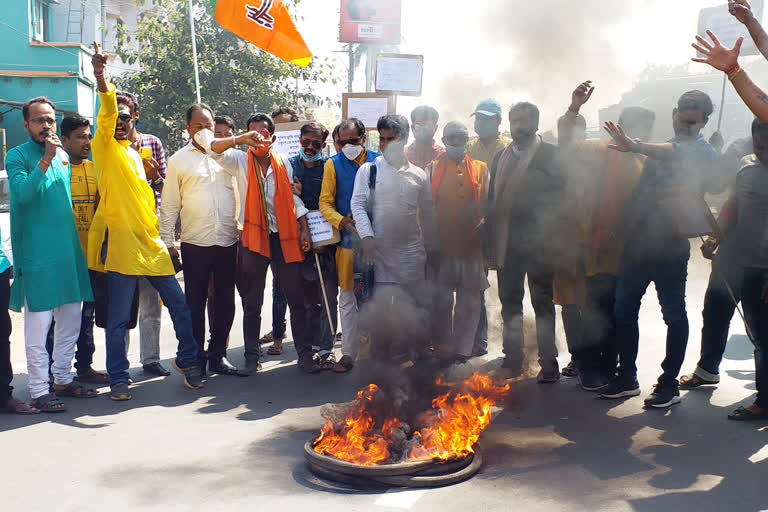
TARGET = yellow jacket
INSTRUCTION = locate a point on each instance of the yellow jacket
(126, 210)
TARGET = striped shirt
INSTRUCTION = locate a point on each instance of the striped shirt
(150, 141)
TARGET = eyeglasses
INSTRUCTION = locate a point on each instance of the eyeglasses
(43, 120)
(305, 143)
(125, 117)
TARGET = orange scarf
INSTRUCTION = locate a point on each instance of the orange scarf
(439, 173)
(256, 227)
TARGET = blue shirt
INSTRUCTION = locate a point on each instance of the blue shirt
(311, 179)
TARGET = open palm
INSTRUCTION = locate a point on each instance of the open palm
(717, 55)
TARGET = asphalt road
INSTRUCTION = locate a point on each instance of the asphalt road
(237, 444)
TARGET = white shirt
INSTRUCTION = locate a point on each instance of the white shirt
(403, 224)
(201, 190)
(237, 161)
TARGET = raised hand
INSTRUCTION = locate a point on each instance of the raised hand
(251, 139)
(99, 60)
(581, 95)
(715, 54)
(741, 10)
(621, 141)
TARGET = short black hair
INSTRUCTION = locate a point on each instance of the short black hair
(696, 101)
(225, 120)
(395, 122)
(286, 111)
(29, 103)
(759, 128)
(353, 123)
(425, 111)
(335, 133)
(71, 123)
(526, 106)
(127, 99)
(197, 107)
(636, 116)
(314, 127)
(258, 118)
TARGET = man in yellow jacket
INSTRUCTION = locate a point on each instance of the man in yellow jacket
(124, 241)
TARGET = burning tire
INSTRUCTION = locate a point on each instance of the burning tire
(407, 474)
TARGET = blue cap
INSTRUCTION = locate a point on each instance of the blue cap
(489, 107)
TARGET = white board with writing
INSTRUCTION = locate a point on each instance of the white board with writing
(287, 138)
(368, 110)
(727, 28)
(399, 74)
(321, 230)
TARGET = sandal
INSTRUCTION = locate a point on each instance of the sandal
(693, 381)
(92, 377)
(48, 403)
(75, 390)
(744, 414)
(16, 406)
(276, 349)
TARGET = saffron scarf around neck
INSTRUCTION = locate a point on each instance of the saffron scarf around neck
(440, 168)
(256, 228)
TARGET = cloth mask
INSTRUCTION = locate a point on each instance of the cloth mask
(316, 158)
(204, 138)
(456, 153)
(352, 152)
(263, 149)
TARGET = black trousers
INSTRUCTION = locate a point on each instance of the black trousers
(200, 263)
(251, 278)
(598, 351)
(321, 337)
(6, 371)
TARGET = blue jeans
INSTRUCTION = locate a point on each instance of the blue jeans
(121, 291)
(756, 313)
(669, 272)
(719, 309)
(279, 307)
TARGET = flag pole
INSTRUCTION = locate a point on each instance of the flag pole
(194, 52)
(722, 103)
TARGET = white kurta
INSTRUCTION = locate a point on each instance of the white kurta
(403, 225)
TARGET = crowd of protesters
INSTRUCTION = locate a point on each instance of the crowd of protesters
(590, 224)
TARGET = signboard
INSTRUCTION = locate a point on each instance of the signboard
(727, 28)
(370, 21)
(367, 107)
(321, 230)
(399, 74)
(287, 142)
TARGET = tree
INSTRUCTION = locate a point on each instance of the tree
(236, 79)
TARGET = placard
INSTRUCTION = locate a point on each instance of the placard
(727, 28)
(287, 138)
(399, 74)
(370, 21)
(321, 230)
(367, 107)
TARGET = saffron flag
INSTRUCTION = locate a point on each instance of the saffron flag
(266, 24)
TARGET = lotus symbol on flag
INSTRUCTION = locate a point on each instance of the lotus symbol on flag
(261, 14)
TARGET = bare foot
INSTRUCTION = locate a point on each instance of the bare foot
(16, 406)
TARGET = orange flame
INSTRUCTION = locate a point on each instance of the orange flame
(449, 430)
(357, 440)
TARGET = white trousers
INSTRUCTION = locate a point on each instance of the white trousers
(348, 316)
(65, 334)
(150, 312)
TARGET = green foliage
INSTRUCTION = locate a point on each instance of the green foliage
(236, 78)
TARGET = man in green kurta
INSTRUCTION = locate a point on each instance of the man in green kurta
(50, 275)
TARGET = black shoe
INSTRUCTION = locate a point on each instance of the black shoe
(478, 351)
(664, 395)
(222, 367)
(570, 370)
(617, 388)
(309, 365)
(156, 369)
(119, 392)
(193, 378)
(590, 380)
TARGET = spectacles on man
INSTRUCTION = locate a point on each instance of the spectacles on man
(43, 120)
(306, 143)
(125, 117)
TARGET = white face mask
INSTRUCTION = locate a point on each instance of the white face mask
(352, 152)
(204, 138)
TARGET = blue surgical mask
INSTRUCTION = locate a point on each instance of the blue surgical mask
(456, 153)
(316, 158)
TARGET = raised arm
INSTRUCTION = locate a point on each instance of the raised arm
(622, 142)
(742, 11)
(571, 119)
(727, 61)
(107, 119)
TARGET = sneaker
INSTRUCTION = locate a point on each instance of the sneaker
(119, 392)
(156, 369)
(570, 370)
(326, 361)
(590, 380)
(193, 377)
(663, 395)
(617, 388)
